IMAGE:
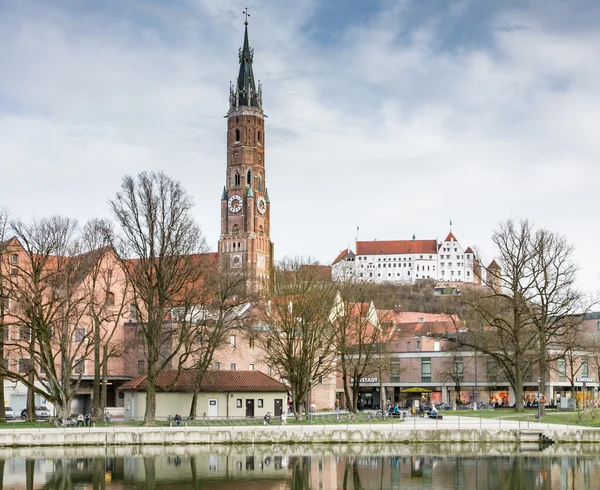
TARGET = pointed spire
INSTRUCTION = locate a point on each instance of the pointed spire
(224, 195)
(245, 92)
(267, 200)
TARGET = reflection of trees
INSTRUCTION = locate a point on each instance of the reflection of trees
(352, 466)
(300, 466)
(150, 471)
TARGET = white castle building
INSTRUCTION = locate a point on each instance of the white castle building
(407, 261)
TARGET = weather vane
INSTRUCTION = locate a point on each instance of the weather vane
(245, 12)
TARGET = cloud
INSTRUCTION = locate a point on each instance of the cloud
(393, 115)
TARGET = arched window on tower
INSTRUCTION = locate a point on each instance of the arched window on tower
(235, 230)
(259, 181)
(249, 177)
(237, 179)
(258, 136)
(237, 135)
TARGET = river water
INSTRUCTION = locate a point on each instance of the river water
(402, 466)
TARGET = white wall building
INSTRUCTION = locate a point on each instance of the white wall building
(406, 261)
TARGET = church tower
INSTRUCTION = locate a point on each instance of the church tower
(245, 244)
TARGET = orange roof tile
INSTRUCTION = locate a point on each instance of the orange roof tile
(213, 381)
(450, 238)
(376, 247)
(469, 250)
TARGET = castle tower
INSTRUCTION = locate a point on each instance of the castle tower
(245, 244)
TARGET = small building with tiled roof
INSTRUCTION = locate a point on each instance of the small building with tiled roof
(222, 394)
(406, 261)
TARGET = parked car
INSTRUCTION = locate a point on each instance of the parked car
(9, 413)
(41, 412)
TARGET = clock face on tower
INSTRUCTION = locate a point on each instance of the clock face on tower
(235, 203)
(236, 261)
(261, 205)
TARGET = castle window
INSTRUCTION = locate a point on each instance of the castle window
(237, 179)
(237, 135)
(258, 136)
(249, 177)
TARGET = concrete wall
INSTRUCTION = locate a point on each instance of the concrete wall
(116, 435)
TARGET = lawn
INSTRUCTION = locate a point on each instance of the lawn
(584, 418)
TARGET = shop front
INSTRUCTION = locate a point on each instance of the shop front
(368, 395)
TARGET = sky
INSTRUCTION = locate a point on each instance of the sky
(392, 116)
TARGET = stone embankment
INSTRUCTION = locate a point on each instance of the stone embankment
(322, 434)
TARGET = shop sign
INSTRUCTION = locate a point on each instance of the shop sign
(584, 380)
(366, 380)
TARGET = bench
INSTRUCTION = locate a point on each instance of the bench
(436, 416)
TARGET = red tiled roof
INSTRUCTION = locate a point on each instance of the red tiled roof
(450, 238)
(493, 265)
(376, 247)
(213, 381)
(469, 250)
(343, 254)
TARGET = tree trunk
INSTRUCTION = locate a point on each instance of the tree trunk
(104, 395)
(518, 389)
(96, 397)
(150, 414)
(543, 368)
(349, 405)
(194, 405)
(31, 379)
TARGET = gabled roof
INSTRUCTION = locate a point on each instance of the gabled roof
(213, 381)
(493, 265)
(342, 255)
(469, 250)
(450, 238)
(392, 247)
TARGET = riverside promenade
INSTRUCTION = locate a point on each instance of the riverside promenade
(452, 429)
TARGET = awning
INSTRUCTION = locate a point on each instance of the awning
(416, 390)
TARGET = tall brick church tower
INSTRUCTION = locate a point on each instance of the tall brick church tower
(245, 244)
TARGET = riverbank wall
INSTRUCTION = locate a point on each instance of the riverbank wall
(132, 436)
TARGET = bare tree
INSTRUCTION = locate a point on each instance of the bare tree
(358, 335)
(498, 318)
(300, 341)
(159, 244)
(4, 299)
(556, 304)
(107, 295)
(215, 316)
(47, 307)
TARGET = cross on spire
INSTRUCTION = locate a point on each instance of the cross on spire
(245, 12)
